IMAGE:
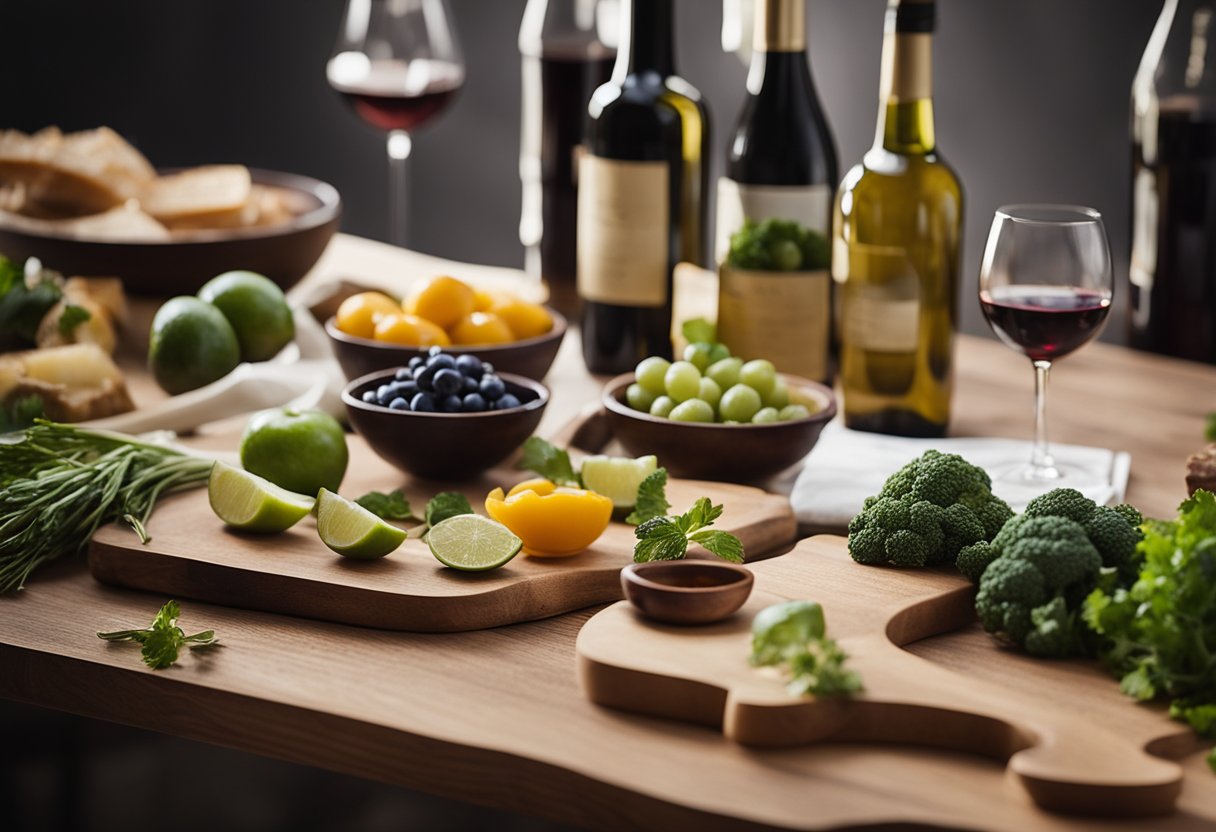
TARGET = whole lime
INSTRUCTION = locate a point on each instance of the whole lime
(257, 310)
(300, 450)
(191, 345)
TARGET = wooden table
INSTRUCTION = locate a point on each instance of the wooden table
(496, 717)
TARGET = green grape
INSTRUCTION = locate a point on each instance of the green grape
(717, 352)
(786, 255)
(662, 407)
(779, 396)
(650, 372)
(693, 410)
(710, 392)
(639, 397)
(760, 375)
(764, 416)
(793, 411)
(739, 403)
(683, 380)
(732, 422)
(698, 355)
(725, 373)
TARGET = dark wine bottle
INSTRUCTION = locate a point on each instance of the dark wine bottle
(781, 166)
(641, 197)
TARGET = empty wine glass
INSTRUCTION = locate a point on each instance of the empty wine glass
(1045, 288)
(398, 64)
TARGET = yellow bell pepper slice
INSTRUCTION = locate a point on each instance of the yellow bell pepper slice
(552, 521)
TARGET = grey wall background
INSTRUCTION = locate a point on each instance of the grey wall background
(1032, 102)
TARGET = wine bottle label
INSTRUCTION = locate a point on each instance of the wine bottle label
(623, 221)
(782, 316)
(808, 205)
(879, 299)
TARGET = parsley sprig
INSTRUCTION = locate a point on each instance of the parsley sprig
(163, 641)
(667, 538)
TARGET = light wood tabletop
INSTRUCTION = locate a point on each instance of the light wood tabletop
(496, 717)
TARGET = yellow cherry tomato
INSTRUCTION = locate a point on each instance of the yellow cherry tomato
(359, 313)
(483, 300)
(526, 320)
(441, 300)
(481, 328)
(410, 331)
(552, 521)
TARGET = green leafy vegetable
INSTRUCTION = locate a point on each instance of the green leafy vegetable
(550, 462)
(778, 245)
(699, 330)
(794, 635)
(162, 642)
(23, 304)
(20, 412)
(59, 483)
(652, 498)
(72, 317)
(667, 538)
(444, 505)
(391, 506)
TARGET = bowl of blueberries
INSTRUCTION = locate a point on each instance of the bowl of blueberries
(444, 416)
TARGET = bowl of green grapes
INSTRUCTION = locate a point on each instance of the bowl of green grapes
(716, 416)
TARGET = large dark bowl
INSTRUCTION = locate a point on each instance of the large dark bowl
(530, 358)
(445, 446)
(284, 252)
(735, 453)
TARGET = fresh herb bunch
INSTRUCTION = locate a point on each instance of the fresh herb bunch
(794, 635)
(778, 245)
(163, 641)
(59, 484)
(667, 538)
(394, 506)
(391, 506)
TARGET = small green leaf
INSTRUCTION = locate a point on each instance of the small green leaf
(444, 505)
(1209, 428)
(1138, 685)
(549, 461)
(72, 317)
(703, 513)
(659, 539)
(699, 330)
(161, 647)
(391, 506)
(723, 544)
(652, 498)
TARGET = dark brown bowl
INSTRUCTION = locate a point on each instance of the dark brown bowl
(284, 252)
(686, 591)
(445, 446)
(735, 453)
(530, 358)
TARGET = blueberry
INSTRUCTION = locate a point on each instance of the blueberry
(384, 391)
(416, 362)
(447, 382)
(441, 362)
(492, 387)
(399, 404)
(404, 374)
(369, 396)
(470, 365)
(487, 368)
(408, 389)
(425, 377)
(451, 404)
(507, 401)
(474, 403)
(435, 350)
(423, 403)
(469, 385)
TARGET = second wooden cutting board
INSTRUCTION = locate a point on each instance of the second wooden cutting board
(192, 555)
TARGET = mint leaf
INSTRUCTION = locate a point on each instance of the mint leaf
(652, 498)
(72, 317)
(699, 329)
(723, 544)
(444, 505)
(550, 461)
(702, 513)
(659, 539)
(391, 506)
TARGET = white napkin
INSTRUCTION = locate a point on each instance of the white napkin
(847, 466)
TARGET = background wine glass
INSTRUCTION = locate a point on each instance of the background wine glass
(398, 64)
(1045, 289)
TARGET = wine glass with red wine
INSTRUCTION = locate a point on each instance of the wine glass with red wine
(1045, 288)
(397, 63)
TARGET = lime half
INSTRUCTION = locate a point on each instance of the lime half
(472, 543)
(246, 501)
(617, 477)
(352, 531)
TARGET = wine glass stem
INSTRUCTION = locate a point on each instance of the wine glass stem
(398, 198)
(1041, 462)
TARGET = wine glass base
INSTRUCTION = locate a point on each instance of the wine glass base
(1020, 482)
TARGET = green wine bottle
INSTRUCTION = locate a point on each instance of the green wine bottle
(896, 243)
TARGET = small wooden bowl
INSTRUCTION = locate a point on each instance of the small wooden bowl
(687, 591)
(445, 446)
(530, 358)
(735, 453)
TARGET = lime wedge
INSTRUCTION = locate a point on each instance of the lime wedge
(472, 543)
(352, 531)
(246, 501)
(617, 477)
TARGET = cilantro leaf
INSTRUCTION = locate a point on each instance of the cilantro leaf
(444, 505)
(652, 498)
(163, 640)
(72, 317)
(723, 544)
(391, 506)
(699, 330)
(161, 647)
(659, 539)
(550, 461)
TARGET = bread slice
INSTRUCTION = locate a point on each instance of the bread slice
(213, 196)
(25, 158)
(124, 223)
(90, 171)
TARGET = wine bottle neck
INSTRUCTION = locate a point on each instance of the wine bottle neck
(905, 121)
(646, 39)
(780, 26)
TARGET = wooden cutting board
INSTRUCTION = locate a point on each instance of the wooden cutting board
(1075, 744)
(192, 555)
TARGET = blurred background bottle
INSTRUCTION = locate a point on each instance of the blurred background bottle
(641, 197)
(781, 165)
(567, 49)
(896, 248)
(1173, 263)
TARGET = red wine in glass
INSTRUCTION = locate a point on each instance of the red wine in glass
(1044, 322)
(395, 95)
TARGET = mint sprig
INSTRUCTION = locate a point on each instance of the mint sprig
(667, 538)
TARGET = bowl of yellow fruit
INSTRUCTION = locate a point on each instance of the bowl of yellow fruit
(371, 331)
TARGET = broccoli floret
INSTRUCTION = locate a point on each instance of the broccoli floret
(1053, 631)
(926, 513)
(1130, 513)
(1115, 538)
(974, 559)
(1062, 502)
